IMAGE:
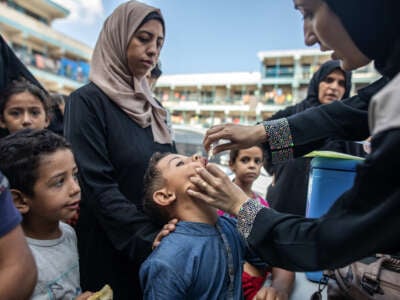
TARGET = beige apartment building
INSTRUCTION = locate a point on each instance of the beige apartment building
(247, 97)
(59, 62)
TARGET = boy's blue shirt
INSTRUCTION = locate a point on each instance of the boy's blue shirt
(194, 262)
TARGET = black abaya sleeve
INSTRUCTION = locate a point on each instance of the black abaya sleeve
(308, 130)
(363, 221)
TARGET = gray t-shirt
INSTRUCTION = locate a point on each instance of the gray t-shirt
(58, 266)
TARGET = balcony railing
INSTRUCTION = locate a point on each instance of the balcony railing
(75, 70)
(268, 98)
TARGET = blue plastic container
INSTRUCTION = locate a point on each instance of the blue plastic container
(329, 178)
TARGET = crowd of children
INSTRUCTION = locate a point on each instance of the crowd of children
(42, 177)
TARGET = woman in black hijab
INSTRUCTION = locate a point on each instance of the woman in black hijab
(365, 219)
(288, 191)
(311, 99)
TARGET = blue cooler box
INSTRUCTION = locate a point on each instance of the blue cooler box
(329, 178)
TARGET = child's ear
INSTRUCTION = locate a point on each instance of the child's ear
(164, 197)
(20, 201)
(47, 122)
(2, 124)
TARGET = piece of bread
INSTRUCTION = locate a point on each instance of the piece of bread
(105, 293)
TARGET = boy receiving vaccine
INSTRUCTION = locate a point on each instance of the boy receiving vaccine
(204, 256)
(42, 173)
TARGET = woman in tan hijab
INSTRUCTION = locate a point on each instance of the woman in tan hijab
(114, 126)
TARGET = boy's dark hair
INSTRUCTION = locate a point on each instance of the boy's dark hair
(21, 154)
(233, 154)
(153, 181)
(22, 86)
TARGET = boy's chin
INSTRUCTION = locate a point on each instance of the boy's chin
(67, 218)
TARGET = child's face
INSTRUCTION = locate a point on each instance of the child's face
(247, 165)
(177, 169)
(56, 192)
(23, 110)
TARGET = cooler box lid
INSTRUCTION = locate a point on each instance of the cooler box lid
(334, 163)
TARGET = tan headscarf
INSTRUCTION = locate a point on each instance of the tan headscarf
(109, 70)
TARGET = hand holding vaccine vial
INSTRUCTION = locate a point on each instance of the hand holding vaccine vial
(212, 146)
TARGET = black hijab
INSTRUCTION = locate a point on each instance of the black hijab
(313, 88)
(312, 93)
(374, 26)
(11, 68)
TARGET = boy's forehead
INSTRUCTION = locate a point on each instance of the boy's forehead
(166, 161)
(24, 99)
(52, 162)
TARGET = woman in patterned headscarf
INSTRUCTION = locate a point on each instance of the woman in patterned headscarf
(114, 125)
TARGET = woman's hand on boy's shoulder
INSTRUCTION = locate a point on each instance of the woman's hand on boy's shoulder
(167, 229)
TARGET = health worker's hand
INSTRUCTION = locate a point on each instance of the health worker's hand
(215, 188)
(240, 137)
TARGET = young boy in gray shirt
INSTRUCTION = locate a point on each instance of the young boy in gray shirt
(42, 173)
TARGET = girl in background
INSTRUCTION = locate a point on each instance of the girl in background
(246, 165)
(23, 105)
